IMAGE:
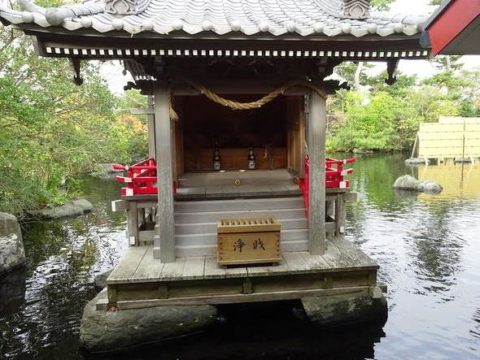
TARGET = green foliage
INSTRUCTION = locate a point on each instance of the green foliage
(382, 124)
(52, 130)
(381, 4)
(386, 118)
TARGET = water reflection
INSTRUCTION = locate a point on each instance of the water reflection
(426, 245)
(476, 330)
(12, 290)
(458, 180)
(435, 249)
(427, 249)
(63, 258)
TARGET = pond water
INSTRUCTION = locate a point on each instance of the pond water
(427, 246)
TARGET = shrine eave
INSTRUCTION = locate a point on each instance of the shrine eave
(339, 29)
(90, 45)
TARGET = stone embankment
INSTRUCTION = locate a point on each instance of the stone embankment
(104, 331)
(12, 253)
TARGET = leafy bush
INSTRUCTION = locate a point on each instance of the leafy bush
(52, 130)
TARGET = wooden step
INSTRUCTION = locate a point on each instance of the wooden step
(256, 177)
(211, 238)
(239, 204)
(205, 217)
(211, 227)
(211, 250)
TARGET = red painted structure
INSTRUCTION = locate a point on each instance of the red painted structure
(455, 28)
(334, 177)
(140, 178)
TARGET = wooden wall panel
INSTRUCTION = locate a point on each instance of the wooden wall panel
(296, 134)
(179, 167)
(206, 123)
(236, 159)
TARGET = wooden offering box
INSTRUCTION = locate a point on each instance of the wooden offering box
(248, 241)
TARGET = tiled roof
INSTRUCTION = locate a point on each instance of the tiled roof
(250, 17)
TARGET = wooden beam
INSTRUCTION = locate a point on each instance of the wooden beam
(151, 128)
(217, 299)
(164, 241)
(316, 152)
(119, 205)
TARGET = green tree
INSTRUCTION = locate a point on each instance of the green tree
(52, 130)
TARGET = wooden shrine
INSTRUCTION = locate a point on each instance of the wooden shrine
(230, 85)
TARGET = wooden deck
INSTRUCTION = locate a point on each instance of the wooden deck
(235, 184)
(139, 280)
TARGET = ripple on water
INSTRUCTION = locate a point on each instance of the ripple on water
(427, 249)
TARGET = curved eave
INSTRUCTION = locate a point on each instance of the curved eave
(32, 29)
(116, 45)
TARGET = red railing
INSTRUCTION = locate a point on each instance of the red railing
(140, 179)
(334, 177)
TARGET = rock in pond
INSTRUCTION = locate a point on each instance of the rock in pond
(107, 331)
(345, 309)
(12, 253)
(73, 208)
(407, 182)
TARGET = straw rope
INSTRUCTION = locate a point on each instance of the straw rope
(171, 110)
(251, 105)
(238, 105)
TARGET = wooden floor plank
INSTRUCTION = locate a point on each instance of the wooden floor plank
(128, 264)
(173, 270)
(194, 268)
(236, 272)
(336, 259)
(274, 269)
(149, 268)
(296, 261)
(212, 269)
(358, 257)
(316, 262)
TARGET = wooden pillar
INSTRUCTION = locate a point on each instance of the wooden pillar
(340, 214)
(164, 240)
(316, 152)
(302, 131)
(151, 128)
(132, 223)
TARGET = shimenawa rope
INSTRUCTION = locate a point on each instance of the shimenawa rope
(251, 105)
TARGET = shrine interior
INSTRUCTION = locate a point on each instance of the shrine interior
(274, 131)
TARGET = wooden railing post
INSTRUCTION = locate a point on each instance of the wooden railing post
(164, 240)
(316, 151)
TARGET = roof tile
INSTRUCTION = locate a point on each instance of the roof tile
(250, 17)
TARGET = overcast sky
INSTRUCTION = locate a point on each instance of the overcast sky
(421, 68)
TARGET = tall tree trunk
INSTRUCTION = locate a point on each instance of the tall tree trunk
(358, 72)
